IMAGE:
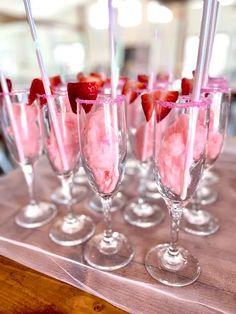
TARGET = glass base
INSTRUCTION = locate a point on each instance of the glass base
(34, 216)
(95, 204)
(72, 230)
(151, 190)
(199, 222)
(210, 177)
(108, 256)
(79, 193)
(139, 212)
(177, 271)
(132, 167)
(207, 196)
(80, 179)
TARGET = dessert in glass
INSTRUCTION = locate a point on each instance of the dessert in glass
(142, 211)
(71, 229)
(197, 220)
(27, 118)
(103, 141)
(178, 160)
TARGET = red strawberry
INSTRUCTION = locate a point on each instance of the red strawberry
(91, 78)
(82, 90)
(149, 100)
(9, 85)
(186, 86)
(131, 87)
(143, 78)
(95, 74)
(55, 80)
(170, 96)
(36, 88)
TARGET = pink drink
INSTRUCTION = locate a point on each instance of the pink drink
(100, 151)
(172, 151)
(143, 141)
(68, 125)
(218, 121)
(27, 121)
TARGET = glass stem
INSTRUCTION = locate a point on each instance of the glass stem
(29, 178)
(67, 182)
(144, 168)
(176, 214)
(106, 204)
(196, 199)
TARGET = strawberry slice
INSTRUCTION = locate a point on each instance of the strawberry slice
(149, 100)
(37, 88)
(186, 86)
(55, 81)
(96, 74)
(130, 88)
(95, 77)
(82, 90)
(143, 78)
(9, 85)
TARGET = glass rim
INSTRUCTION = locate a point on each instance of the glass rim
(218, 79)
(14, 93)
(187, 102)
(216, 89)
(54, 95)
(100, 100)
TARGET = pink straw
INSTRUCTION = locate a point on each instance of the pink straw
(112, 43)
(14, 126)
(46, 84)
(197, 85)
(211, 38)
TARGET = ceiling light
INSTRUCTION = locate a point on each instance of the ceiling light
(157, 13)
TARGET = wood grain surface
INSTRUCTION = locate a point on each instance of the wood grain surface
(25, 291)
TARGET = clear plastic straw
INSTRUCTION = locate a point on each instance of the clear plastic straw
(211, 37)
(9, 107)
(46, 84)
(112, 44)
(197, 85)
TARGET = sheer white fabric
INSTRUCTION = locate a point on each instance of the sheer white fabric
(130, 288)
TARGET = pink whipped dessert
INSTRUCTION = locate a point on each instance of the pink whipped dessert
(143, 141)
(27, 125)
(69, 131)
(172, 151)
(215, 138)
(100, 151)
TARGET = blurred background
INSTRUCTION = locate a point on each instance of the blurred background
(74, 38)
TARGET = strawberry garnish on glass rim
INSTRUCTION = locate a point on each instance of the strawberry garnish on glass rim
(82, 90)
(55, 81)
(37, 88)
(143, 78)
(149, 100)
(93, 77)
(186, 86)
(9, 85)
(132, 89)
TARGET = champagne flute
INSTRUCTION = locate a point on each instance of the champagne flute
(141, 211)
(177, 180)
(27, 118)
(71, 229)
(103, 140)
(197, 220)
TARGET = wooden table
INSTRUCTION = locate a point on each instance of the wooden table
(23, 290)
